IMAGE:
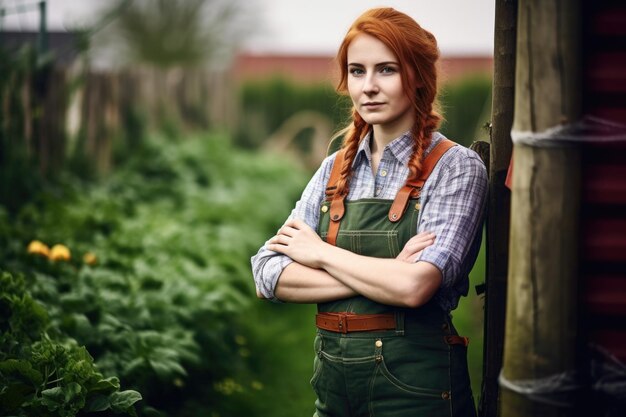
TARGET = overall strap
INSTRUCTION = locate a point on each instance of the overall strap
(413, 187)
(337, 208)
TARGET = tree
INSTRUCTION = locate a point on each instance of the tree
(171, 33)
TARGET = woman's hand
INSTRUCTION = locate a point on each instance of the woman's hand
(415, 246)
(298, 241)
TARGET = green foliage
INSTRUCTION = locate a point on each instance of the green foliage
(173, 231)
(265, 105)
(45, 376)
(463, 105)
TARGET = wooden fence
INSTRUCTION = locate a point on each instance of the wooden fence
(57, 113)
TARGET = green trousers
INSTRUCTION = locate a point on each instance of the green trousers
(409, 371)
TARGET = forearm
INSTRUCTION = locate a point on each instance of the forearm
(302, 284)
(387, 281)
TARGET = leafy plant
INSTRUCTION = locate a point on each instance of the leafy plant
(158, 305)
(45, 376)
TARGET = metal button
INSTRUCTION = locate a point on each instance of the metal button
(324, 209)
(383, 173)
(445, 395)
(418, 206)
(394, 216)
(379, 343)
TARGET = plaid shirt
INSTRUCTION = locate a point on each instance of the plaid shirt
(453, 201)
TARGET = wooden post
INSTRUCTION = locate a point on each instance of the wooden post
(499, 204)
(541, 317)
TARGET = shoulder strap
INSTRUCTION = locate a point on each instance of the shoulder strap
(335, 173)
(337, 207)
(413, 187)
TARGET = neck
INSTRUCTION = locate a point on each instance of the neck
(383, 134)
(382, 138)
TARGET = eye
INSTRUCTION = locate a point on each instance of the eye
(387, 69)
(356, 71)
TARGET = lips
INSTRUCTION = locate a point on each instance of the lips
(373, 104)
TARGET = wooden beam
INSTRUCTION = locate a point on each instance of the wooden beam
(499, 202)
(541, 316)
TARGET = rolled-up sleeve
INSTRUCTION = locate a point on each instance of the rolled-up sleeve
(267, 265)
(453, 209)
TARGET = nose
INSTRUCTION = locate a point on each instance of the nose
(369, 84)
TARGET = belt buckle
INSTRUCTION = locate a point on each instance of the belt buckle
(343, 323)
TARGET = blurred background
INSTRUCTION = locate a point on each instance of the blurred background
(148, 148)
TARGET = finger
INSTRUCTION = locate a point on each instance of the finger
(287, 231)
(420, 246)
(279, 240)
(412, 250)
(277, 248)
(291, 223)
(296, 224)
(278, 243)
(421, 240)
(423, 236)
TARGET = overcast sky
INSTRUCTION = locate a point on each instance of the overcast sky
(462, 27)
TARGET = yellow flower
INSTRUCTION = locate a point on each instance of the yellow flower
(37, 247)
(228, 386)
(90, 258)
(257, 385)
(60, 253)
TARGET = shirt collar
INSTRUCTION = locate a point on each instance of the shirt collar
(401, 148)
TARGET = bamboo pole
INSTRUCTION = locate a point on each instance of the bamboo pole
(541, 317)
(499, 204)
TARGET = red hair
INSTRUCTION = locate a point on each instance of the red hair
(417, 52)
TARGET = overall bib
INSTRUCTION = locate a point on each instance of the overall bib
(415, 365)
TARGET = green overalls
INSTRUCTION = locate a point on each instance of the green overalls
(414, 370)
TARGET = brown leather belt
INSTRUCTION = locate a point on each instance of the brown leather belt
(351, 322)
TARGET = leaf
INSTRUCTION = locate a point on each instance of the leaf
(123, 400)
(52, 398)
(98, 403)
(107, 385)
(134, 365)
(167, 369)
(14, 395)
(22, 368)
(71, 390)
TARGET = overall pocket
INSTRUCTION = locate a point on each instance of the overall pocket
(411, 379)
(317, 360)
(379, 243)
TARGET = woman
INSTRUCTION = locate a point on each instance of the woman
(384, 236)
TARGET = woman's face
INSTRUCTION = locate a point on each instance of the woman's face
(375, 85)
